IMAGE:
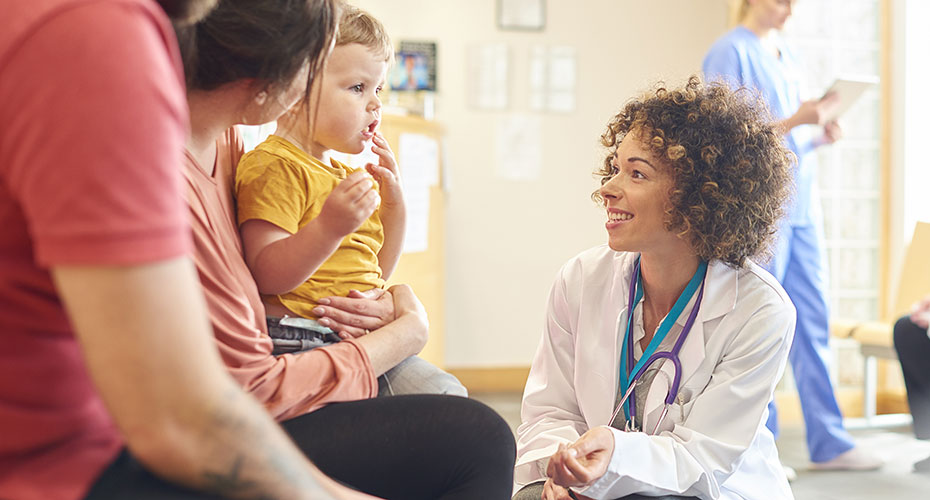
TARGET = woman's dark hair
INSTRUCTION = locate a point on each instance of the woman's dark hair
(186, 11)
(266, 40)
(729, 165)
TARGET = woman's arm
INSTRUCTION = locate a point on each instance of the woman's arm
(400, 339)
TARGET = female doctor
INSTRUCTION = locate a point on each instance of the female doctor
(672, 307)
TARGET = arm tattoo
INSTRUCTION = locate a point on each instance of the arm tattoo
(260, 464)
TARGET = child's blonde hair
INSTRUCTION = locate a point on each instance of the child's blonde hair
(358, 26)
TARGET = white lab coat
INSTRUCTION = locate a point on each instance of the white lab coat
(713, 443)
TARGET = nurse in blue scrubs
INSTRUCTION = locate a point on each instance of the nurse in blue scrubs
(754, 55)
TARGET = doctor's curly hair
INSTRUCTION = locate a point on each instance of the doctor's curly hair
(730, 168)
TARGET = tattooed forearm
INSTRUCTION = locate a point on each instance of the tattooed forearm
(249, 456)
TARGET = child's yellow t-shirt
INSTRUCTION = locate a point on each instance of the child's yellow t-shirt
(280, 183)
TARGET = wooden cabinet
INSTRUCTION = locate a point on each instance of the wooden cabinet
(424, 271)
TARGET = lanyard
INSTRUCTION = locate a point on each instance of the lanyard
(626, 350)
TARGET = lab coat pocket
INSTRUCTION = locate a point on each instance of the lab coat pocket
(679, 410)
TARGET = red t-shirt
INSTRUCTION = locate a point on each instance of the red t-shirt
(92, 126)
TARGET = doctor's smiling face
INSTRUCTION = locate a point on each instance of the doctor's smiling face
(698, 168)
(636, 197)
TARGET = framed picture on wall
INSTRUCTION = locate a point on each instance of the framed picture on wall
(529, 15)
(414, 66)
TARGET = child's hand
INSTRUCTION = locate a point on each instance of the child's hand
(351, 203)
(386, 171)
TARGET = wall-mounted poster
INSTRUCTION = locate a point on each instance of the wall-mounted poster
(414, 66)
(488, 76)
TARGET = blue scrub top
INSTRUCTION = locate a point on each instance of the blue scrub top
(739, 59)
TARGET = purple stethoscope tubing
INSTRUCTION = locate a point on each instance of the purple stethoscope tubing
(669, 355)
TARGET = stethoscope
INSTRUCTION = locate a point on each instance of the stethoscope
(630, 378)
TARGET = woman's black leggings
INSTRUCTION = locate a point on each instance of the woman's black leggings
(399, 447)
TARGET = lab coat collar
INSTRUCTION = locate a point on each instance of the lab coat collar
(720, 286)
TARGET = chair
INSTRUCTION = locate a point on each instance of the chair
(875, 338)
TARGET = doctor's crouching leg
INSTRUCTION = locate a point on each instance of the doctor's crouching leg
(534, 491)
(415, 375)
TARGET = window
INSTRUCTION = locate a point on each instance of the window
(834, 38)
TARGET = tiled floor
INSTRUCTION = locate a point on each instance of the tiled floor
(894, 481)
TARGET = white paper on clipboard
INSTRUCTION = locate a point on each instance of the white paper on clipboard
(849, 90)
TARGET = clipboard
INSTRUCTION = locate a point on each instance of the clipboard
(849, 90)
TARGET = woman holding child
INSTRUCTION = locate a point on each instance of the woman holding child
(693, 185)
(249, 62)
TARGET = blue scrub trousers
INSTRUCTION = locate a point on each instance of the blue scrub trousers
(798, 265)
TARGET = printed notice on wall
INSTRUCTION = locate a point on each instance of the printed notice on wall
(419, 169)
(519, 147)
(552, 75)
(488, 68)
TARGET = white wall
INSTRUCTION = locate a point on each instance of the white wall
(507, 239)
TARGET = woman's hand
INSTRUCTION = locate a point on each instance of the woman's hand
(357, 314)
(920, 313)
(584, 461)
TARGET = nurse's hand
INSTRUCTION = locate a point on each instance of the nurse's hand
(813, 112)
(584, 461)
(831, 133)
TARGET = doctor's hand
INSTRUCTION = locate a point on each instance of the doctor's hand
(552, 491)
(358, 313)
(584, 461)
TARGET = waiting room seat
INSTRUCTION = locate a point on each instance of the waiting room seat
(875, 337)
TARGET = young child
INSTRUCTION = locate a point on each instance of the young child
(312, 230)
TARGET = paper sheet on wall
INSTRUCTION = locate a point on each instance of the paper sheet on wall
(421, 150)
(419, 169)
(553, 74)
(519, 147)
(488, 69)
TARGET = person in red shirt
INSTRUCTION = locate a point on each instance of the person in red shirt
(106, 357)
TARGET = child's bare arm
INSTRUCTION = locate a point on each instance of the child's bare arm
(393, 209)
(281, 261)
